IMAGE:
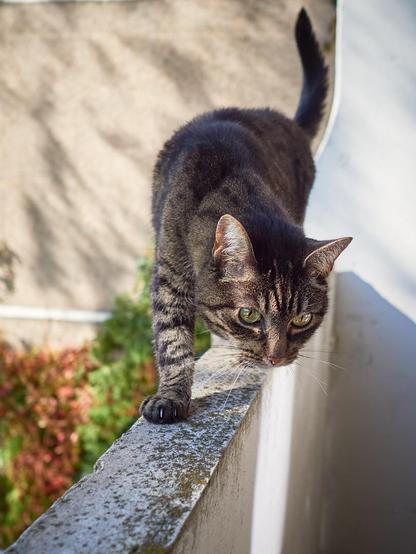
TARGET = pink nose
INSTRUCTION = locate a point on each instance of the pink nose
(275, 361)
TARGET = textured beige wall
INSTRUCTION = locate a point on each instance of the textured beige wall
(89, 93)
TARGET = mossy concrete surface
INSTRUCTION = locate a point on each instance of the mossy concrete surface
(145, 487)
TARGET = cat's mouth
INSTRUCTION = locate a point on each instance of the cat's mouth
(267, 363)
(279, 362)
(247, 356)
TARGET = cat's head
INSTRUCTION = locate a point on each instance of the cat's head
(267, 298)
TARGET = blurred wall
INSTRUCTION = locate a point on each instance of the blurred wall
(89, 93)
(366, 188)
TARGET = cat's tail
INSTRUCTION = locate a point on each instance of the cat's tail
(315, 76)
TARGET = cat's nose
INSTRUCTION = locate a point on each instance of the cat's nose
(275, 361)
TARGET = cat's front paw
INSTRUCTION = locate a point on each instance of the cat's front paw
(160, 409)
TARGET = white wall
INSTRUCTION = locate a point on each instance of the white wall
(366, 185)
(366, 188)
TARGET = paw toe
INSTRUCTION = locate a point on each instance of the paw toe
(159, 409)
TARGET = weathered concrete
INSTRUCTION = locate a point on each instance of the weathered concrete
(144, 488)
(89, 93)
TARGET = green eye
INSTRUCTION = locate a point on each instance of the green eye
(249, 315)
(301, 320)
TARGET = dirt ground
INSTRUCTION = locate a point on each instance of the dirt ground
(89, 93)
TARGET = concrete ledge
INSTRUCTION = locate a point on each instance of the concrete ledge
(242, 475)
(146, 485)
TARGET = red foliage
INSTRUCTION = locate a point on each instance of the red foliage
(44, 397)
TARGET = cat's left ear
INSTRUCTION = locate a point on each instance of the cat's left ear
(322, 255)
(233, 251)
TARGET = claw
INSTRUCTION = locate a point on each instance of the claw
(158, 409)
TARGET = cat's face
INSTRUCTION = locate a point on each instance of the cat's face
(268, 310)
(269, 316)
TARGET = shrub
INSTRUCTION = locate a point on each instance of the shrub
(59, 411)
(43, 400)
(125, 371)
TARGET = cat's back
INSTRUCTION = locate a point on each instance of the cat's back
(260, 143)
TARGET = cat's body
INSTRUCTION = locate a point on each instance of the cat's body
(229, 198)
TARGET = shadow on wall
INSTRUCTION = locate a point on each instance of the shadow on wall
(86, 114)
(369, 489)
(104, 87)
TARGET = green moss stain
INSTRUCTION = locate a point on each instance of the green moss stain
(154, 549)
(195, 476)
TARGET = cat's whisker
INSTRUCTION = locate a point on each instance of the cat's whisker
(220, 378)
(218, 373)
(232, 386)
(291, 368)
(211, 354)
(217, 358)
(331, 364)
(338, 352)
(202, 332)
(229, 360)
(222, 349)
(316, 351)
(240, 368)
(226, 364)
(244, 354)
(225, 347)
(323, 385)
(229, 356)
(214, 352)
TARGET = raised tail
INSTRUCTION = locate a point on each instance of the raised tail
(315, 76)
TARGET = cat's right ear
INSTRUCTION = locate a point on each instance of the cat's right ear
(233, 252)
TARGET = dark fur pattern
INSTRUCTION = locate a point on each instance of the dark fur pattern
(229, 198)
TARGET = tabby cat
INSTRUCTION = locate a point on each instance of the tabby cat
(229, 197)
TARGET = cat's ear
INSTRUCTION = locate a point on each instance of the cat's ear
(233, 251)
(322, 255)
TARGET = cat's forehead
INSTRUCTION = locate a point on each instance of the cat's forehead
(273, 292)
(281, 293)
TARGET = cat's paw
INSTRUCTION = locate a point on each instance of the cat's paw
(160, 409)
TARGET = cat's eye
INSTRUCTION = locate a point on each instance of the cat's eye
(249, 315)
(301, 320)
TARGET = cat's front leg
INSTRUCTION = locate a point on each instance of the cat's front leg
(173, 325)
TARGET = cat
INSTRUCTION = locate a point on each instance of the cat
(230, 190)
